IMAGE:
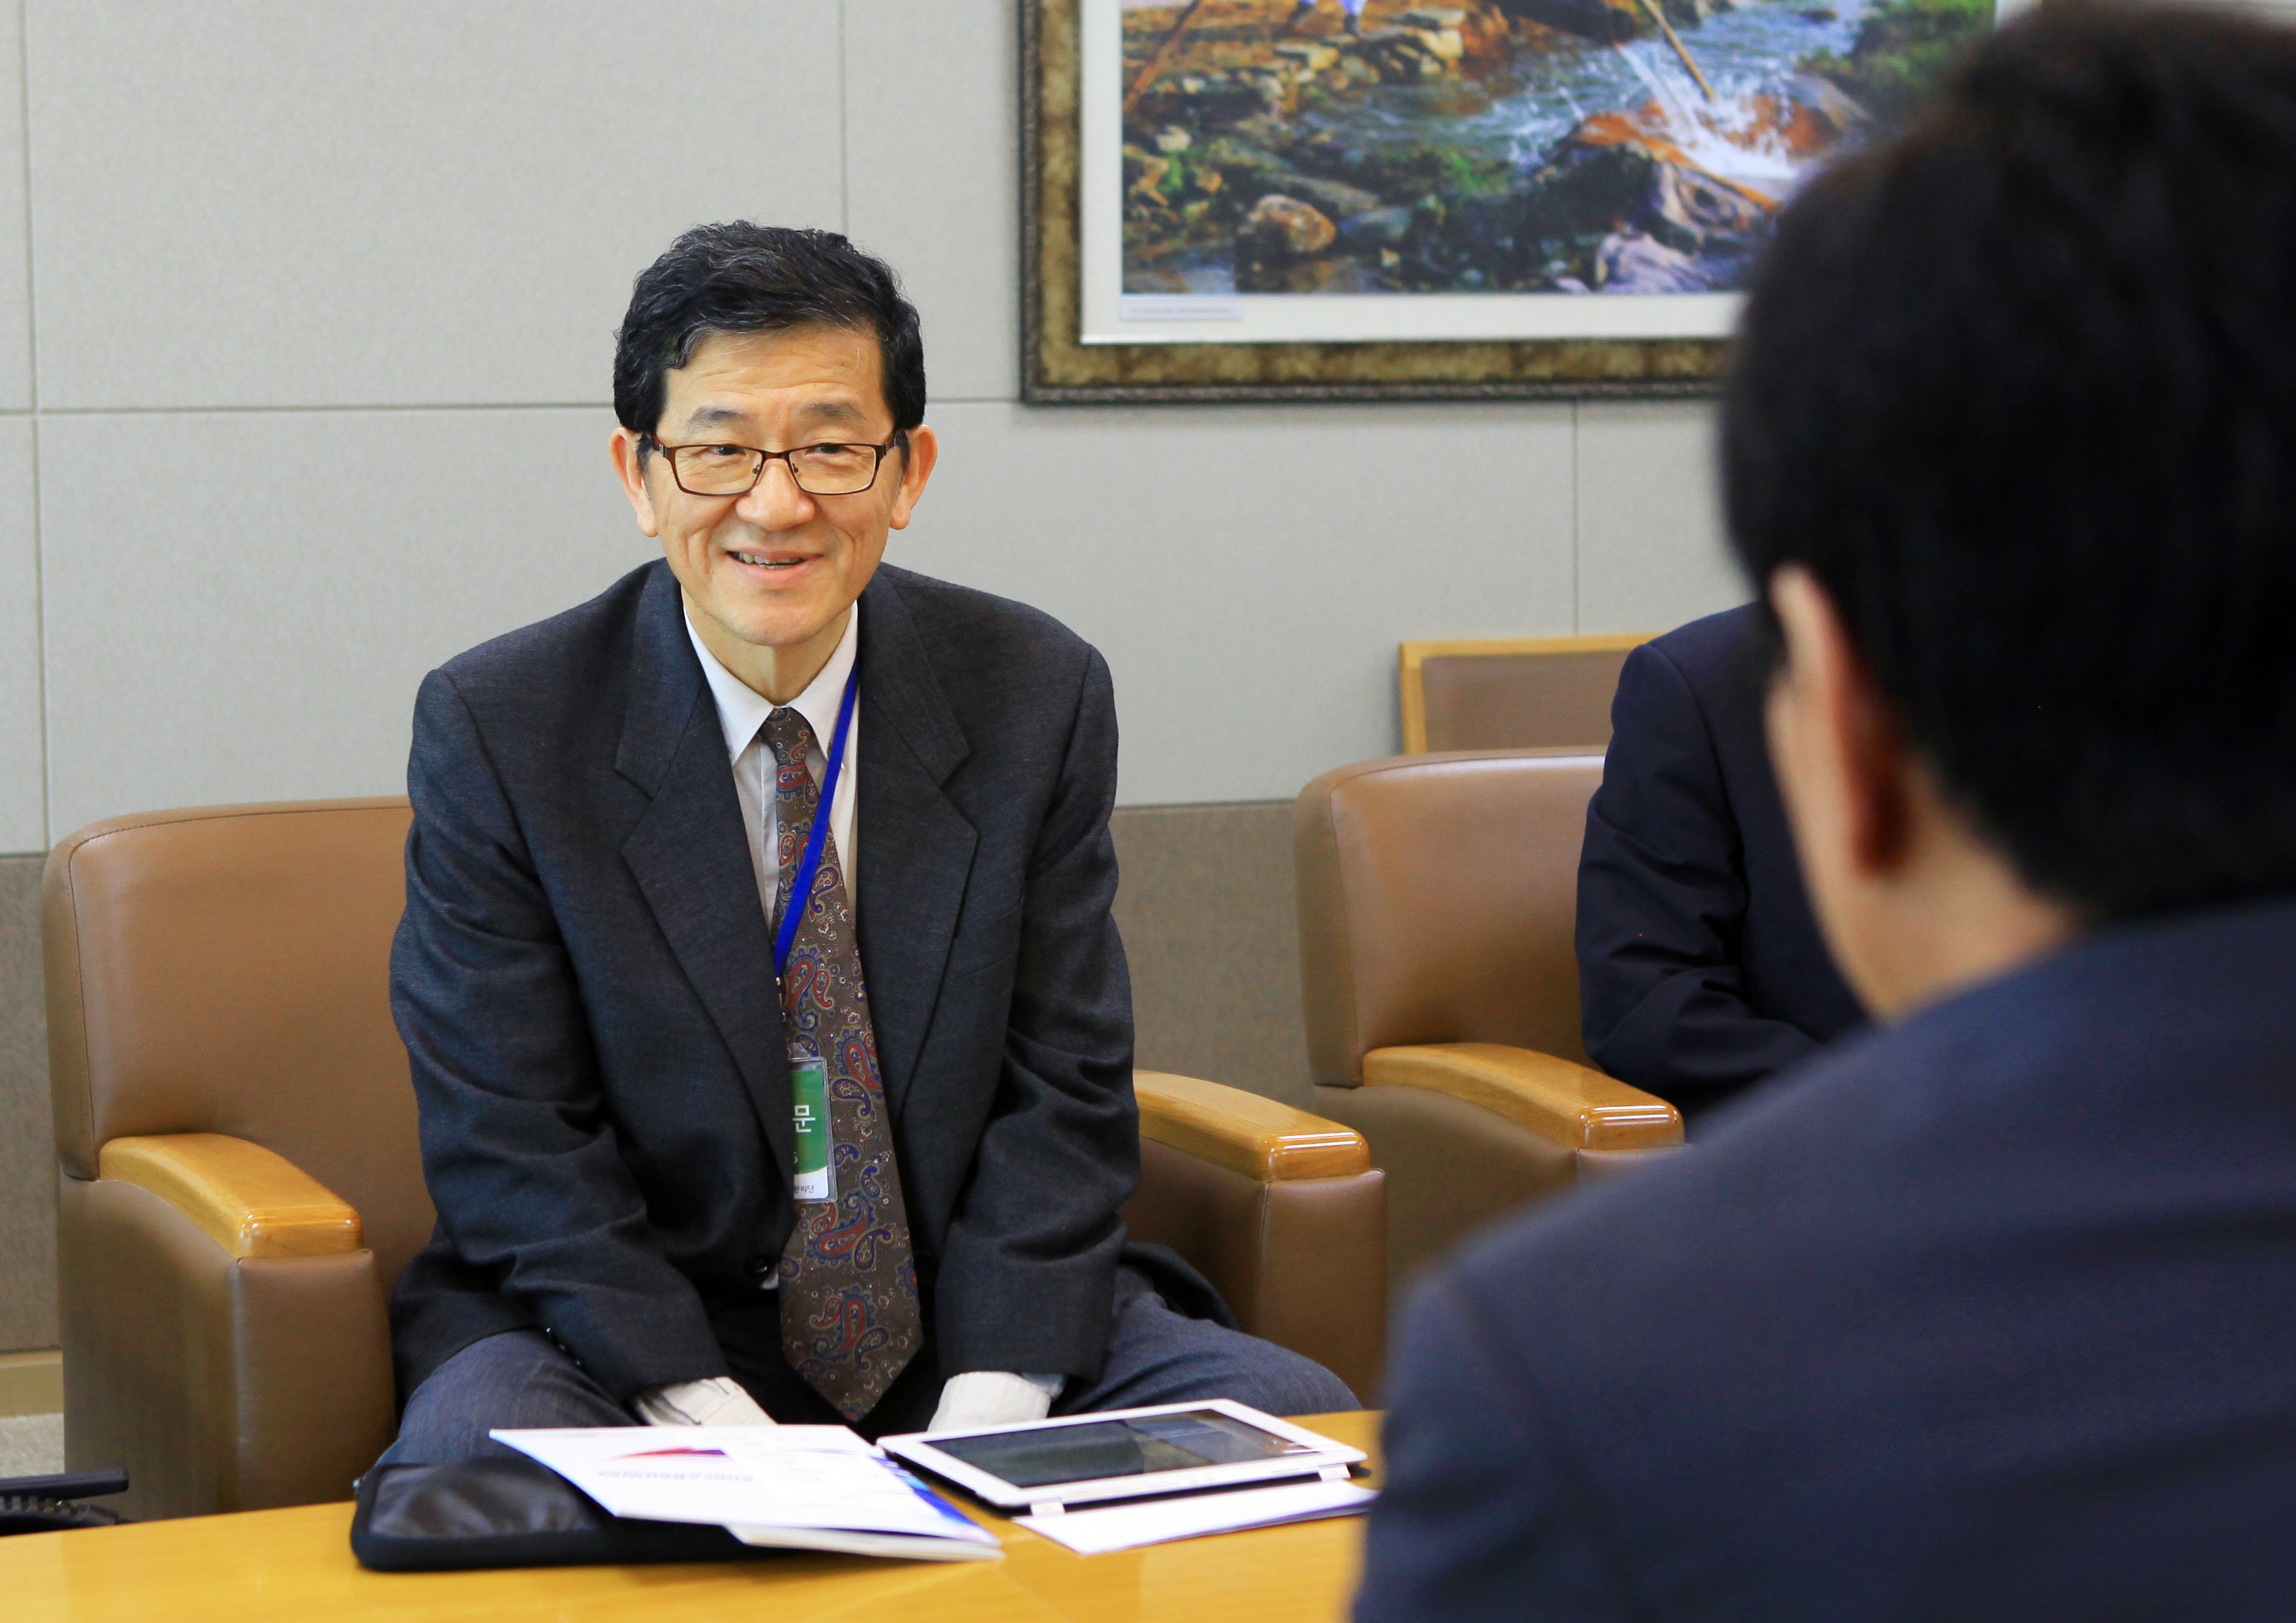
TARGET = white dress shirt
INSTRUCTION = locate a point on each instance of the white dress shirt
(982, 1397)
(742, 712)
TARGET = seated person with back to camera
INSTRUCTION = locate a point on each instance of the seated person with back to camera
(635, 968)
(1986, 1316)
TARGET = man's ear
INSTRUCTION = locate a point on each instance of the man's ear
(1842, 761)
(917, 466)
(1913, 898)
(625, 448)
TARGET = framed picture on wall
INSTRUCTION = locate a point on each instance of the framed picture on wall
(1248, 200)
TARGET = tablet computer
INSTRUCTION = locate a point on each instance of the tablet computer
(1124, 1453)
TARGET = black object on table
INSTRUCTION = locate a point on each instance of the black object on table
(49, 1504)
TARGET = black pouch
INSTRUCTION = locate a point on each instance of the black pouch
(513, 1512)
(51, 1503)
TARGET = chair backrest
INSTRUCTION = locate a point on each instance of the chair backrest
(227, 970)
(1436, 899)
(1548, 693)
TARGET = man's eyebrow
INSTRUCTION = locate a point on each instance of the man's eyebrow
(832, 411)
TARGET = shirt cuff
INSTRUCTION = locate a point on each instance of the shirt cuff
(719, 1401)
(994, 1397)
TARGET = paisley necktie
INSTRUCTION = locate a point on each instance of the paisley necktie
(848, 1292)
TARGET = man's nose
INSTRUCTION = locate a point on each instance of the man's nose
(774, 502)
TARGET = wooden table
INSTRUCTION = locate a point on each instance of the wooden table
(295, 1566)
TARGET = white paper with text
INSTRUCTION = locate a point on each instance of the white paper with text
(747, 1478)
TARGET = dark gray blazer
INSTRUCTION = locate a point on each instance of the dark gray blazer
(584, 985)
(1701, 969)
(1988, 1318)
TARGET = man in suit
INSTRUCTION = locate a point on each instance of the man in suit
(770, 1029)
(1700, 970)
(1989, 1315)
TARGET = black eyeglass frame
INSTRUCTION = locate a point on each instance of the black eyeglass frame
(764, 458)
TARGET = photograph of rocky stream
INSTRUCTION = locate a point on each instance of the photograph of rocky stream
(1527, 146)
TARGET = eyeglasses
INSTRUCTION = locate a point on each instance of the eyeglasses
(819, 469)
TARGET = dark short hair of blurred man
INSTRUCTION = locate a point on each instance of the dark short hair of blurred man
(1989, 1315)
(1701, 969)
(769, 1026)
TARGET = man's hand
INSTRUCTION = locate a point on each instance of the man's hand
(992, 1397)
(719, 1401)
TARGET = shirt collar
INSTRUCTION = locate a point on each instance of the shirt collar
(741, 709)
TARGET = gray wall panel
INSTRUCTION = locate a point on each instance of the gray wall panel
(24, 814)
(274, 203)
(1249, 573)
(1651, 552)
(944, 209)
(265, 642)
(15, 289)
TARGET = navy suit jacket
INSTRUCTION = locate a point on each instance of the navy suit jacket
(1701, 969)
(1988, 1316)
(585, 984)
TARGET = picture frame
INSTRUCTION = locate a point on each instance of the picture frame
(1058, 368)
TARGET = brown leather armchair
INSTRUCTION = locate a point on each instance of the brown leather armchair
(240, 1182)
(1546, 692)
(1437, 898)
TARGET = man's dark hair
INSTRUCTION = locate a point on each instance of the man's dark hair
(2019, 390)
(740, 277)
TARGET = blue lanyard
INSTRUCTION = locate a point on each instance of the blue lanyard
(809, 865)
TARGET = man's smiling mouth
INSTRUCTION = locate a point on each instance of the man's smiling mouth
(759, 561)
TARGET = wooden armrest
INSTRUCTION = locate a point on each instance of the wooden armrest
(247, 1200)
(1246, 1133)
(1572, 1104)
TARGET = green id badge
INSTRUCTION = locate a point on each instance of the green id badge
(810, 1090)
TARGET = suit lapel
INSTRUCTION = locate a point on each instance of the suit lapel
(916, 847)
(689, 858)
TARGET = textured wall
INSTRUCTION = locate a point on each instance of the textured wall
(27, 1159)
(1208, 913)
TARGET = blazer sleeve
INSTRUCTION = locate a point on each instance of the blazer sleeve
(1484, 1514)
(1028, 1270)
(1662, 906)
(518, 1147)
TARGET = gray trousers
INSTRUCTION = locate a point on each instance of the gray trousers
(519, 1379)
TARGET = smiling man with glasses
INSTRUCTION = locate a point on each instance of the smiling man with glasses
(724, 1123)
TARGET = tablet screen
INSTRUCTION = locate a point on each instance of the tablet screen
(1127, 1448)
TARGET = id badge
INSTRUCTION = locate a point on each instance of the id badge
(810, 1091)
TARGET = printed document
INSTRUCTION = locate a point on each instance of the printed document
(819, 1488)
